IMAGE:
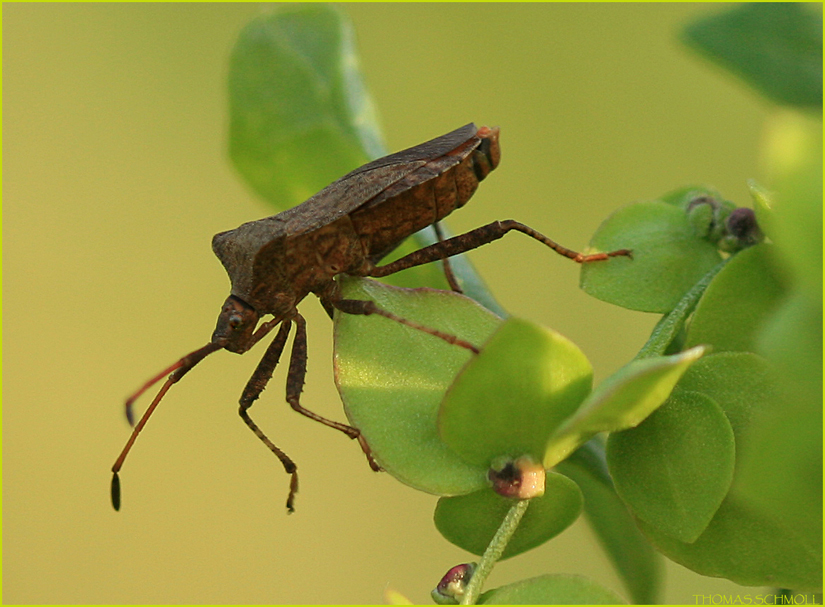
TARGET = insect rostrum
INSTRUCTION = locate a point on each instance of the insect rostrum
(348, 227)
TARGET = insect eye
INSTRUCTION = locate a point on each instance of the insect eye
(235, 321)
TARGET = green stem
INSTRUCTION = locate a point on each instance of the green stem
(494, 550)
(669, 326)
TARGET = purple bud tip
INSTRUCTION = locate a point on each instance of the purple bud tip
(742, 225)
(452, 586)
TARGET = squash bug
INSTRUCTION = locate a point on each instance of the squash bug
(346, 228)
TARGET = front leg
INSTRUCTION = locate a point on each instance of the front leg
(253, 389)
(295, 384)
(295, 379)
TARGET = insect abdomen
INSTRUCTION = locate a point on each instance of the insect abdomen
(426, 195)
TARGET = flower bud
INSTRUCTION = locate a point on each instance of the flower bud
(522, 478)
(742, 225)
(452, 586)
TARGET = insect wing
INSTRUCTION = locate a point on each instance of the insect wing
(423, 151)
(359, 186)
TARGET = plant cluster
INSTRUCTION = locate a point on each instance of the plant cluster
(713, 455)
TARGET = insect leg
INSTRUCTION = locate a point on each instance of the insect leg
(295, 380)
(253, 389)
(481, 236)
(328, 308)
(366, 307)
(448, 270)
(295, 384)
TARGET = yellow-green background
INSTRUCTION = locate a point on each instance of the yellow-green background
(116, 178)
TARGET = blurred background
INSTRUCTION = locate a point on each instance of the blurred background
(115, 179)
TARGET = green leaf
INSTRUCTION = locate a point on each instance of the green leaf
(741, 383)
(668, 258)
(675, 468)
(737, 303)
(470, 521)
(622, 401)
(776, 47)
(749, 548)
(300, 116)
(511, 397)
(552, 590)
(392, 379)
(767, 531)
(637, 563)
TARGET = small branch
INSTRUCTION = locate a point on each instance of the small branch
(494, 550)
(669, 326)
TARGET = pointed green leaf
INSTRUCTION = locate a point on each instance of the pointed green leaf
(392, 379)
(552, 590)
(300, 116)
(622, 401)
(674, 469)
(393, 597)
(470, 521)
(511, 397)
(776, 47)
(668, 258)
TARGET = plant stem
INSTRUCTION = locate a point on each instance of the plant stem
(669, 326)
(493, 551)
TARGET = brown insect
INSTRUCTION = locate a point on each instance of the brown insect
(346, 228)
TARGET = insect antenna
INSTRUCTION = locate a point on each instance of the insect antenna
(175, 371)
